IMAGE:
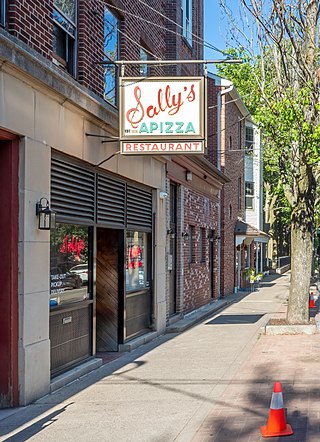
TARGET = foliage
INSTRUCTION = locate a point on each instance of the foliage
(284, 79)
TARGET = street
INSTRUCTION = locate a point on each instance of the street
(208, 383)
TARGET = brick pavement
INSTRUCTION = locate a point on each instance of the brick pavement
(244, 406)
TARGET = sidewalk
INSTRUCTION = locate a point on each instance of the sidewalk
(211, 383)
(244, 406)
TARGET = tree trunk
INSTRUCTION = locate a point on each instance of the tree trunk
(301, 259)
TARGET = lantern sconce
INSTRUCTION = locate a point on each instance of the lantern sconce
(213, 238)
(163, 195)
(46, 216)
(185, 235)
(189, 175)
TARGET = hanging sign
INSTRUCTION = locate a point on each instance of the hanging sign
(162, 115)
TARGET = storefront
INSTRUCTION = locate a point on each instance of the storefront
(100, 262)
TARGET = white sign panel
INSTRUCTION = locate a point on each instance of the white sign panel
(162, 109)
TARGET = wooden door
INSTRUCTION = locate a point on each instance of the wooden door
(107, 300)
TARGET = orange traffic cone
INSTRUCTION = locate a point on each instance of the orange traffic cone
(276, 425)
(311, 301)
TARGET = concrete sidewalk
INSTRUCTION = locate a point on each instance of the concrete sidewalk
(211, 383)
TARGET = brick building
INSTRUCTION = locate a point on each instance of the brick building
(100, 279)
(235, 149)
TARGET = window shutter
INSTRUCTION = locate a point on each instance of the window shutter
(111, 201)
(139, 208)
(72, 190)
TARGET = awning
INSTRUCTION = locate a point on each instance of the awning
(247, 233)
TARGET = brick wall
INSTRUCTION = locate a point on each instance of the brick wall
(232, 164)
(30, 21)
(200, 212)
(176, 45)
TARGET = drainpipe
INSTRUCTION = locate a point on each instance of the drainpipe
(219, 99)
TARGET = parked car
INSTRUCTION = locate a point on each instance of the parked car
(82, 271)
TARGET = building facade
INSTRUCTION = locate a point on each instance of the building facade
(123, 260)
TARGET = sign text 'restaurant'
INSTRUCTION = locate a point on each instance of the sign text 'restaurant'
(163, 148)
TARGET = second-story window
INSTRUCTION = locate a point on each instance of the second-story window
(239, 192)
(2, 12)
(249, 194)
(64, 33)
(249, 141)
(144, 68)
(186, 18)
(111, 51)
(240, 141)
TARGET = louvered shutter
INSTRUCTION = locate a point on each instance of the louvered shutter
(111, 201)
(139, 208)
(72, 190)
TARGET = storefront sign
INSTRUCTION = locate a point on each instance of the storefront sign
(162, 115)
(162, 148)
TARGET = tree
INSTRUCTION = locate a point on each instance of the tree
(286, 75)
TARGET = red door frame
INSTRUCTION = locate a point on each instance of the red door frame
(9, 225)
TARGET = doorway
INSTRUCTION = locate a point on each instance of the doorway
(211, 263)
(107, 289)
(9, 158)
(172, 257)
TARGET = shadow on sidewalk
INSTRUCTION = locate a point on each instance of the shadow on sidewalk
(42, 406)
(238, 416)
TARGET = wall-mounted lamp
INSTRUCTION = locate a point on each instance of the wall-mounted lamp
(189, 175)
(171, 233)
(46, 216)
(213, 238)
(185, 235)
(163, 195)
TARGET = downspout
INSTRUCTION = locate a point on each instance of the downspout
(219, 99)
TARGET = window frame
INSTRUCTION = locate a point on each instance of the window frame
(114, 99)
(248, 143)
(203, 244)
(240, 134)
(54, 295)
(142, 255)
(239, 192)
(144, 69)
(191, 244)
(69, 63)
(249, 195)
(186, 20)
(3, 11)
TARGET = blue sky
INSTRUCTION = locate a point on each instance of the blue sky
(215, 27)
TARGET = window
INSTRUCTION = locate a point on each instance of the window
(69, 264)
(111, 52)
(240, 141)
(202, 244)
(239, 192)
(136, 261)
(64, 34)
(249, 140)
(2, 12)
(186, 18)
(191, 244)
(144, 68)
(249, 193)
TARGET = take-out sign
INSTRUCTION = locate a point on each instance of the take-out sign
(161, 109)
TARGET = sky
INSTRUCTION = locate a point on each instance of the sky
(215, 27)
